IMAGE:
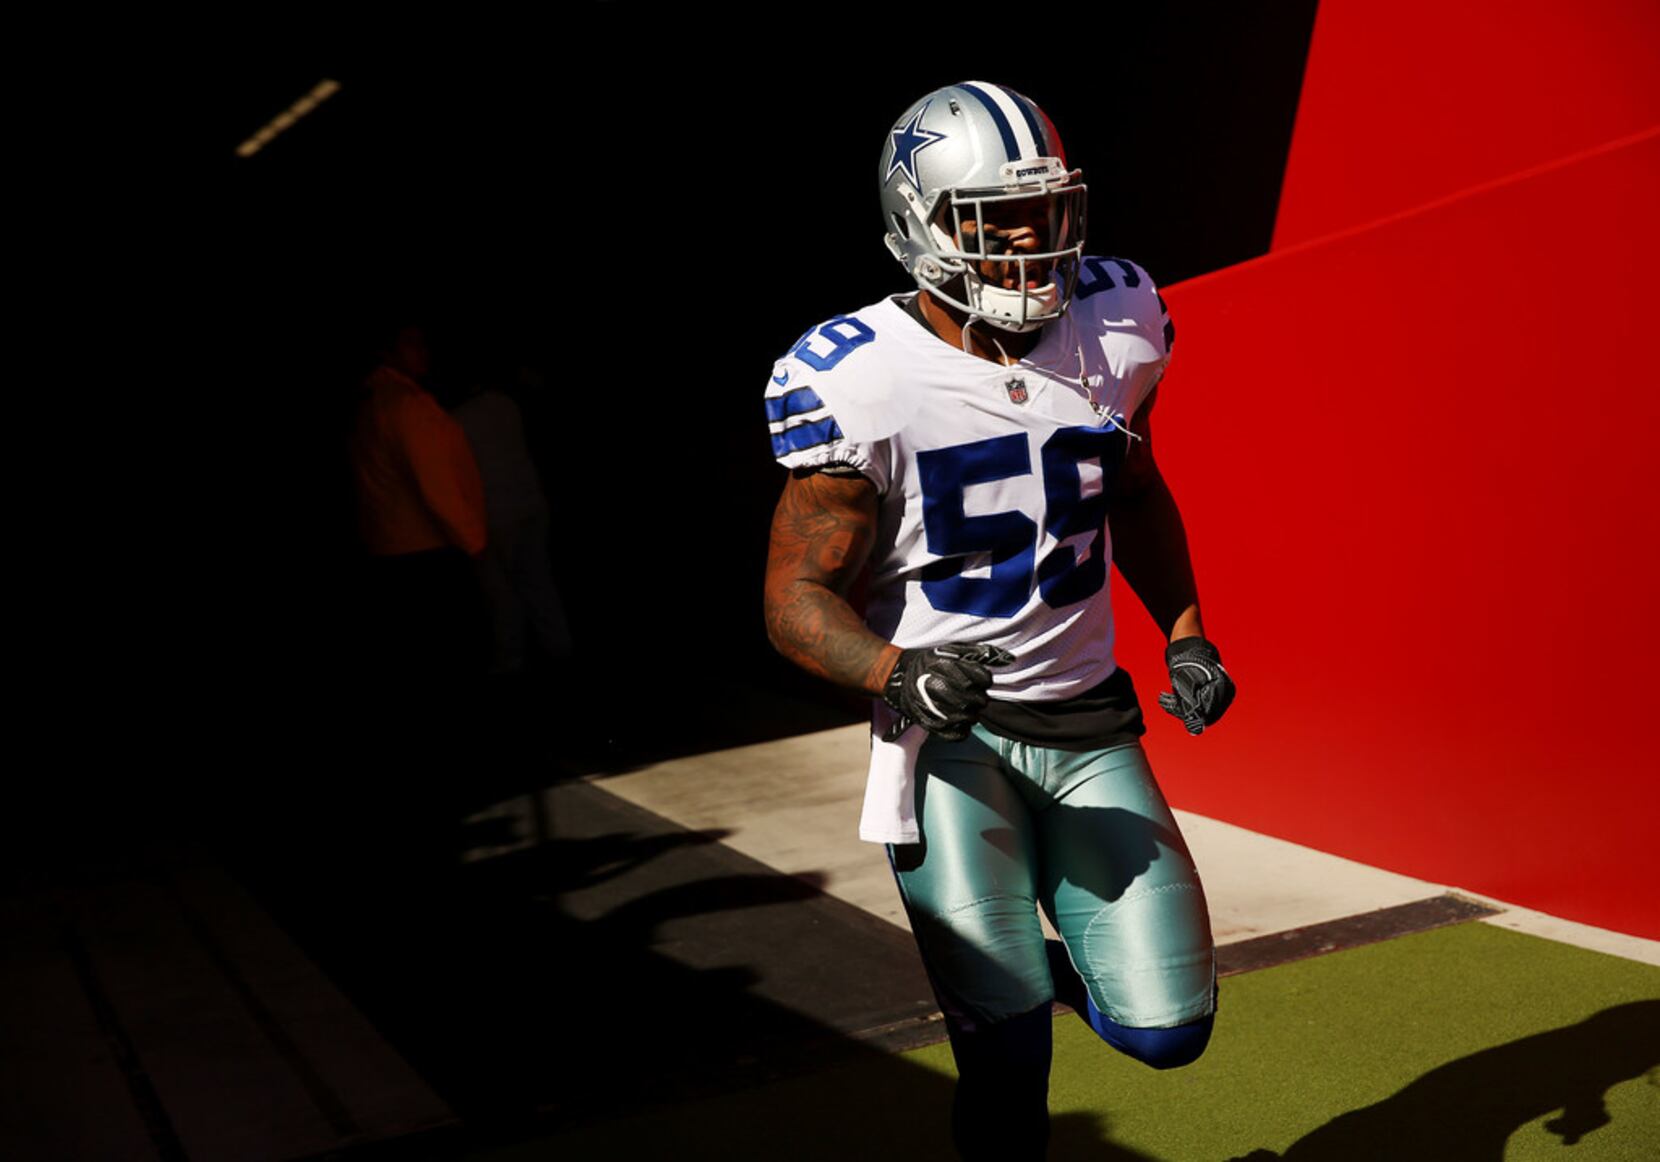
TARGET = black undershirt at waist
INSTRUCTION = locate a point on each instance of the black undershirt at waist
(1105, 715)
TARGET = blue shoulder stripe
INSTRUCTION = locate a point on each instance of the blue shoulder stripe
(792, 403)
(805, 436)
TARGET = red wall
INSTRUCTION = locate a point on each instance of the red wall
(1414, 100)
(1418, 461)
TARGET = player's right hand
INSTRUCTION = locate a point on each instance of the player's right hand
(943, 688)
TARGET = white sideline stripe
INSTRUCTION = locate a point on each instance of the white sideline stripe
(793, 804)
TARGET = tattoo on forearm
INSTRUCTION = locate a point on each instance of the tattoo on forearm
(821, 534)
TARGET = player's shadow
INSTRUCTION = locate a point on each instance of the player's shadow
(1127, 842)
(1469, 1108)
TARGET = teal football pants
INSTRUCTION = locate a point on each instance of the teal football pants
(1008, 827)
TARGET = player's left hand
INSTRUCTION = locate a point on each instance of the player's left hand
(1203, 689)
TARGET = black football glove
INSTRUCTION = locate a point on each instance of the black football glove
(1203, 688)
(941, 689)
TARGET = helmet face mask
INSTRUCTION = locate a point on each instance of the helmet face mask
(972, 230)
(976, 193)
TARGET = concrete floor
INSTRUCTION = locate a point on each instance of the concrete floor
(793, 804)
(356, 986)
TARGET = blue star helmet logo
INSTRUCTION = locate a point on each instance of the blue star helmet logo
(909, 140)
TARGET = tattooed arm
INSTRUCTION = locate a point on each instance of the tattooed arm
(822, 532)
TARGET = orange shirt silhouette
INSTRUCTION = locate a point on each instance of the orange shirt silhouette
(418, 486)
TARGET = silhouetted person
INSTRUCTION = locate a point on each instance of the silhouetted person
(421, 518)
(514, 571)
(418, 487)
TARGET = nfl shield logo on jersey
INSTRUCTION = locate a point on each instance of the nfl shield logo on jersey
(1016, 388)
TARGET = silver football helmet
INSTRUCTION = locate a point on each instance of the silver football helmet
(974, 154)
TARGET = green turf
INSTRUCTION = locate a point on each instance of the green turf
(1458, 1043)
(1462, 1043)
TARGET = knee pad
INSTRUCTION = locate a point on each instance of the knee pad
(1161, 1048)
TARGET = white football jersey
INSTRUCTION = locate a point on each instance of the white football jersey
(993, 520)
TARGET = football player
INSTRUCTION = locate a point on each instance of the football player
(984, 444)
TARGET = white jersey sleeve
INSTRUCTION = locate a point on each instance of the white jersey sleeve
(1119, 309)
(830, 403)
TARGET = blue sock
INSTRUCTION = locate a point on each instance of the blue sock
(1161, 1048)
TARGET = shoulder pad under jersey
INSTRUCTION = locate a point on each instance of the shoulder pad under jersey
(847, 365)
(1115, 294)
